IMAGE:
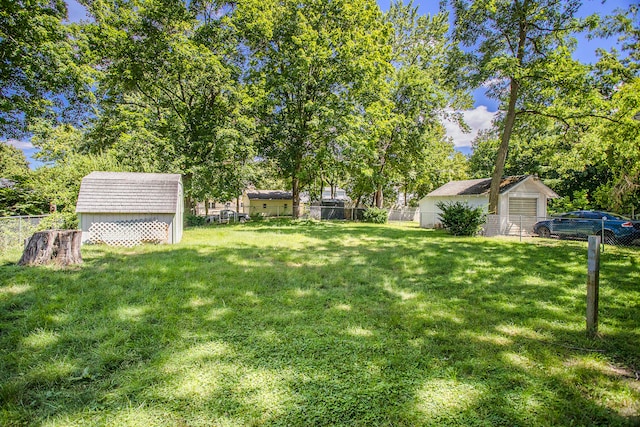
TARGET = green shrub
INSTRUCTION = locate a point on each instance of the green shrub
(61, 220)
(460, 218)
(375, 215)
(195, 220)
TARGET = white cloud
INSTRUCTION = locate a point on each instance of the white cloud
(22, 145)
(478, 119)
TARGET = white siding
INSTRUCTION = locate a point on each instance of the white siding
(87, 219)
(429, 211)
(175, 230)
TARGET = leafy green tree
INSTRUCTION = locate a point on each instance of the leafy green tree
(581, 136)
(522, 50)
(59, 184)
(39, 73)
(310, 64)
(441, 164)
(56, 184)
(618, 136)
(17, 196)
(622, 139)
(13, 163)
(570, 160)
(170, 99)
(405, 123)
(56, 143)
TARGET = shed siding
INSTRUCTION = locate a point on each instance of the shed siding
(87, 219)
(175, 229)
(273, 207)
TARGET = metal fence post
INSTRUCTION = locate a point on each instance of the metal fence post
(593, 284)
(521, 228)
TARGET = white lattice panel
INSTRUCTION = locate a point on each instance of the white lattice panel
(129, 233)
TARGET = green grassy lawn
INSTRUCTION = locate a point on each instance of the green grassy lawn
(321, 324)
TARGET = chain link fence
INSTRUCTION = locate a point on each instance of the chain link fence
(617, 231)
(404, 215)
(322, 213)
(328, 213)
(14, 230)
(520, 226)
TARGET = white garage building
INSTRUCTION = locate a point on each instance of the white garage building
(521, 203)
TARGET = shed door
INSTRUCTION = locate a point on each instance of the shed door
(520, 206)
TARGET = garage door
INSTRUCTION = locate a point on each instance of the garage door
(520, 206)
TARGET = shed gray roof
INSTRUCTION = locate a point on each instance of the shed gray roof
(478, 187)
(129, 192)
(269, 195)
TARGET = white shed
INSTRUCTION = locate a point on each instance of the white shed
(521, 202)
(131, 207)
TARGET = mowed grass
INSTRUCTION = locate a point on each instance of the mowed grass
(309, 324)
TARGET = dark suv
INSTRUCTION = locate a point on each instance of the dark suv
(613, 228)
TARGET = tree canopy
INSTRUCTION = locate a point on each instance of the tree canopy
(313, 65)
(521, 49)
(39, 72)
(307, 94)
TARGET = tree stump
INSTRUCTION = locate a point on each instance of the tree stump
(61, 247)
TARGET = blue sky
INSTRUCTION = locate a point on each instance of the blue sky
(484, 108)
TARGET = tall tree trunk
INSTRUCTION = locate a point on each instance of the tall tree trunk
(295, 189)
(379, 197)
(501, 157)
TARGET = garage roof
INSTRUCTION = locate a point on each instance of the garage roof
(269, 195)
(480, 187)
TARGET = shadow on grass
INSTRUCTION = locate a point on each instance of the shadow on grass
(340, 325)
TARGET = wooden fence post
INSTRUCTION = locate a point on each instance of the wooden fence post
(593, 284)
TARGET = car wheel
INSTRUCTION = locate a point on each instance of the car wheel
(243, 220)
(609, 238)
(544, 232)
